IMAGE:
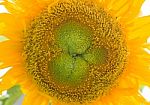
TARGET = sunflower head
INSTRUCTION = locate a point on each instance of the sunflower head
(77, 52)
(80, 49)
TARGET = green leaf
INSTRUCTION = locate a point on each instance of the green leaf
(3, 99)
(14, 93)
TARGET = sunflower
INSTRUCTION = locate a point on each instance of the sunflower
(75, 52)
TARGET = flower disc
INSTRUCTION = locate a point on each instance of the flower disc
(74, 51)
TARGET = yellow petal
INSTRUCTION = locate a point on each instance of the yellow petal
(25, 10)
(138, 56)
(46, 2)
(139, 28)
(124, 9)
(7, 81)
(129, 100)
(38, 99)
(142, 71)
(6, 84)
(10, 53)
(11, 26)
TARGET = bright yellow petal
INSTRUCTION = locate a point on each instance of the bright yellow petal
(139, 28)
(127, 85)
(25, 10)
(16, 75)
(46, 2)
(142, 71)
(138, 56)
(6, 84)
(38, 99)
(11, 26)
(124, 9)
(10, 53)
(7, 80)
(127, 93)
(130, 100)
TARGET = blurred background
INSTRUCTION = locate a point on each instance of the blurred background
(14, 96)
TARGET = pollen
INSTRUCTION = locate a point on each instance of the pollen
(75, 51)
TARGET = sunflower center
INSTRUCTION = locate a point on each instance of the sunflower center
(69, 70)
(73, 38)
(75, 51)
(71, 67)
